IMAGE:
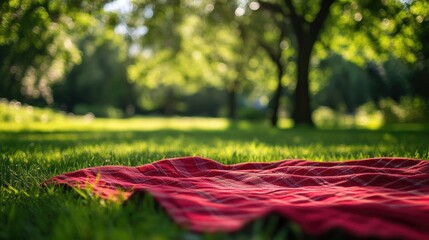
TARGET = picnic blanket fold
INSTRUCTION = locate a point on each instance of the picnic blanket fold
(377, 197)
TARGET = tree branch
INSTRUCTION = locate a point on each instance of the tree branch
(292, 10)
(320, 18)
(272, 7)
(274, 57)
(297, 20)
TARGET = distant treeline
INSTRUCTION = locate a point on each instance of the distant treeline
(236, 59)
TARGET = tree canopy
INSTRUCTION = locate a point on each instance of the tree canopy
(37, 44)
(273, 56)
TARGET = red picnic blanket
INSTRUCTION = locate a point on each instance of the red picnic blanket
(378, 197)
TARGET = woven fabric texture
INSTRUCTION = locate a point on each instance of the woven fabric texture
(378, 197)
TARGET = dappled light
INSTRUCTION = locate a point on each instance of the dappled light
(216, 58)
(88, 85)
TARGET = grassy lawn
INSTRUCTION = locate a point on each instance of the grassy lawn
(31, 153)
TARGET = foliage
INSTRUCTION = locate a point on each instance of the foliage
(30, 155)
(103, 111)
(162, 57)
(367, 116)
(18, 113)
(251, 114)
(101, 77)
(36, 44)
(203, 56)
(380, 29)
(199, 104)
(408, 109)
(345, 86)
(385, 113)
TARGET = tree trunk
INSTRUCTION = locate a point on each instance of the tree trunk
(72, 96)
(277, 95)
(306, 34)
(169, 104)
(129, 100)
(232, 97)
(232, 103)
(302, 110)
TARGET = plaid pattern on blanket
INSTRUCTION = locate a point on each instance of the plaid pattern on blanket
(378, 197)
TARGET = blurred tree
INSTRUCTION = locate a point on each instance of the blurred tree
(228, 56)
(36, 44)
(386, 42)
(167, 68)
(205, 102)
(307, 19)
(379, 28)
(420, 74)
(101, 77)
(231, 56)
(156, 29)
(187, 46)
(272, 34)
(347, 85)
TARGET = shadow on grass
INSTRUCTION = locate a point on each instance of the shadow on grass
(27, 158)
(270, 226)
(41, 155)
(241, 133)
(154, 145)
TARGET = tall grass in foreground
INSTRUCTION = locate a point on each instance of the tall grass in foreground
(31, 153)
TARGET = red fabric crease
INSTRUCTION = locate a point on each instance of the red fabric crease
(378, 197)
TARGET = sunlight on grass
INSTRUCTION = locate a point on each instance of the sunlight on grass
(35, 151)
(133, 124)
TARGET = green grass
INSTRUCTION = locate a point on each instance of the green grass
(33, 152)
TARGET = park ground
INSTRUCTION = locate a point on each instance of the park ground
(33, 152)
